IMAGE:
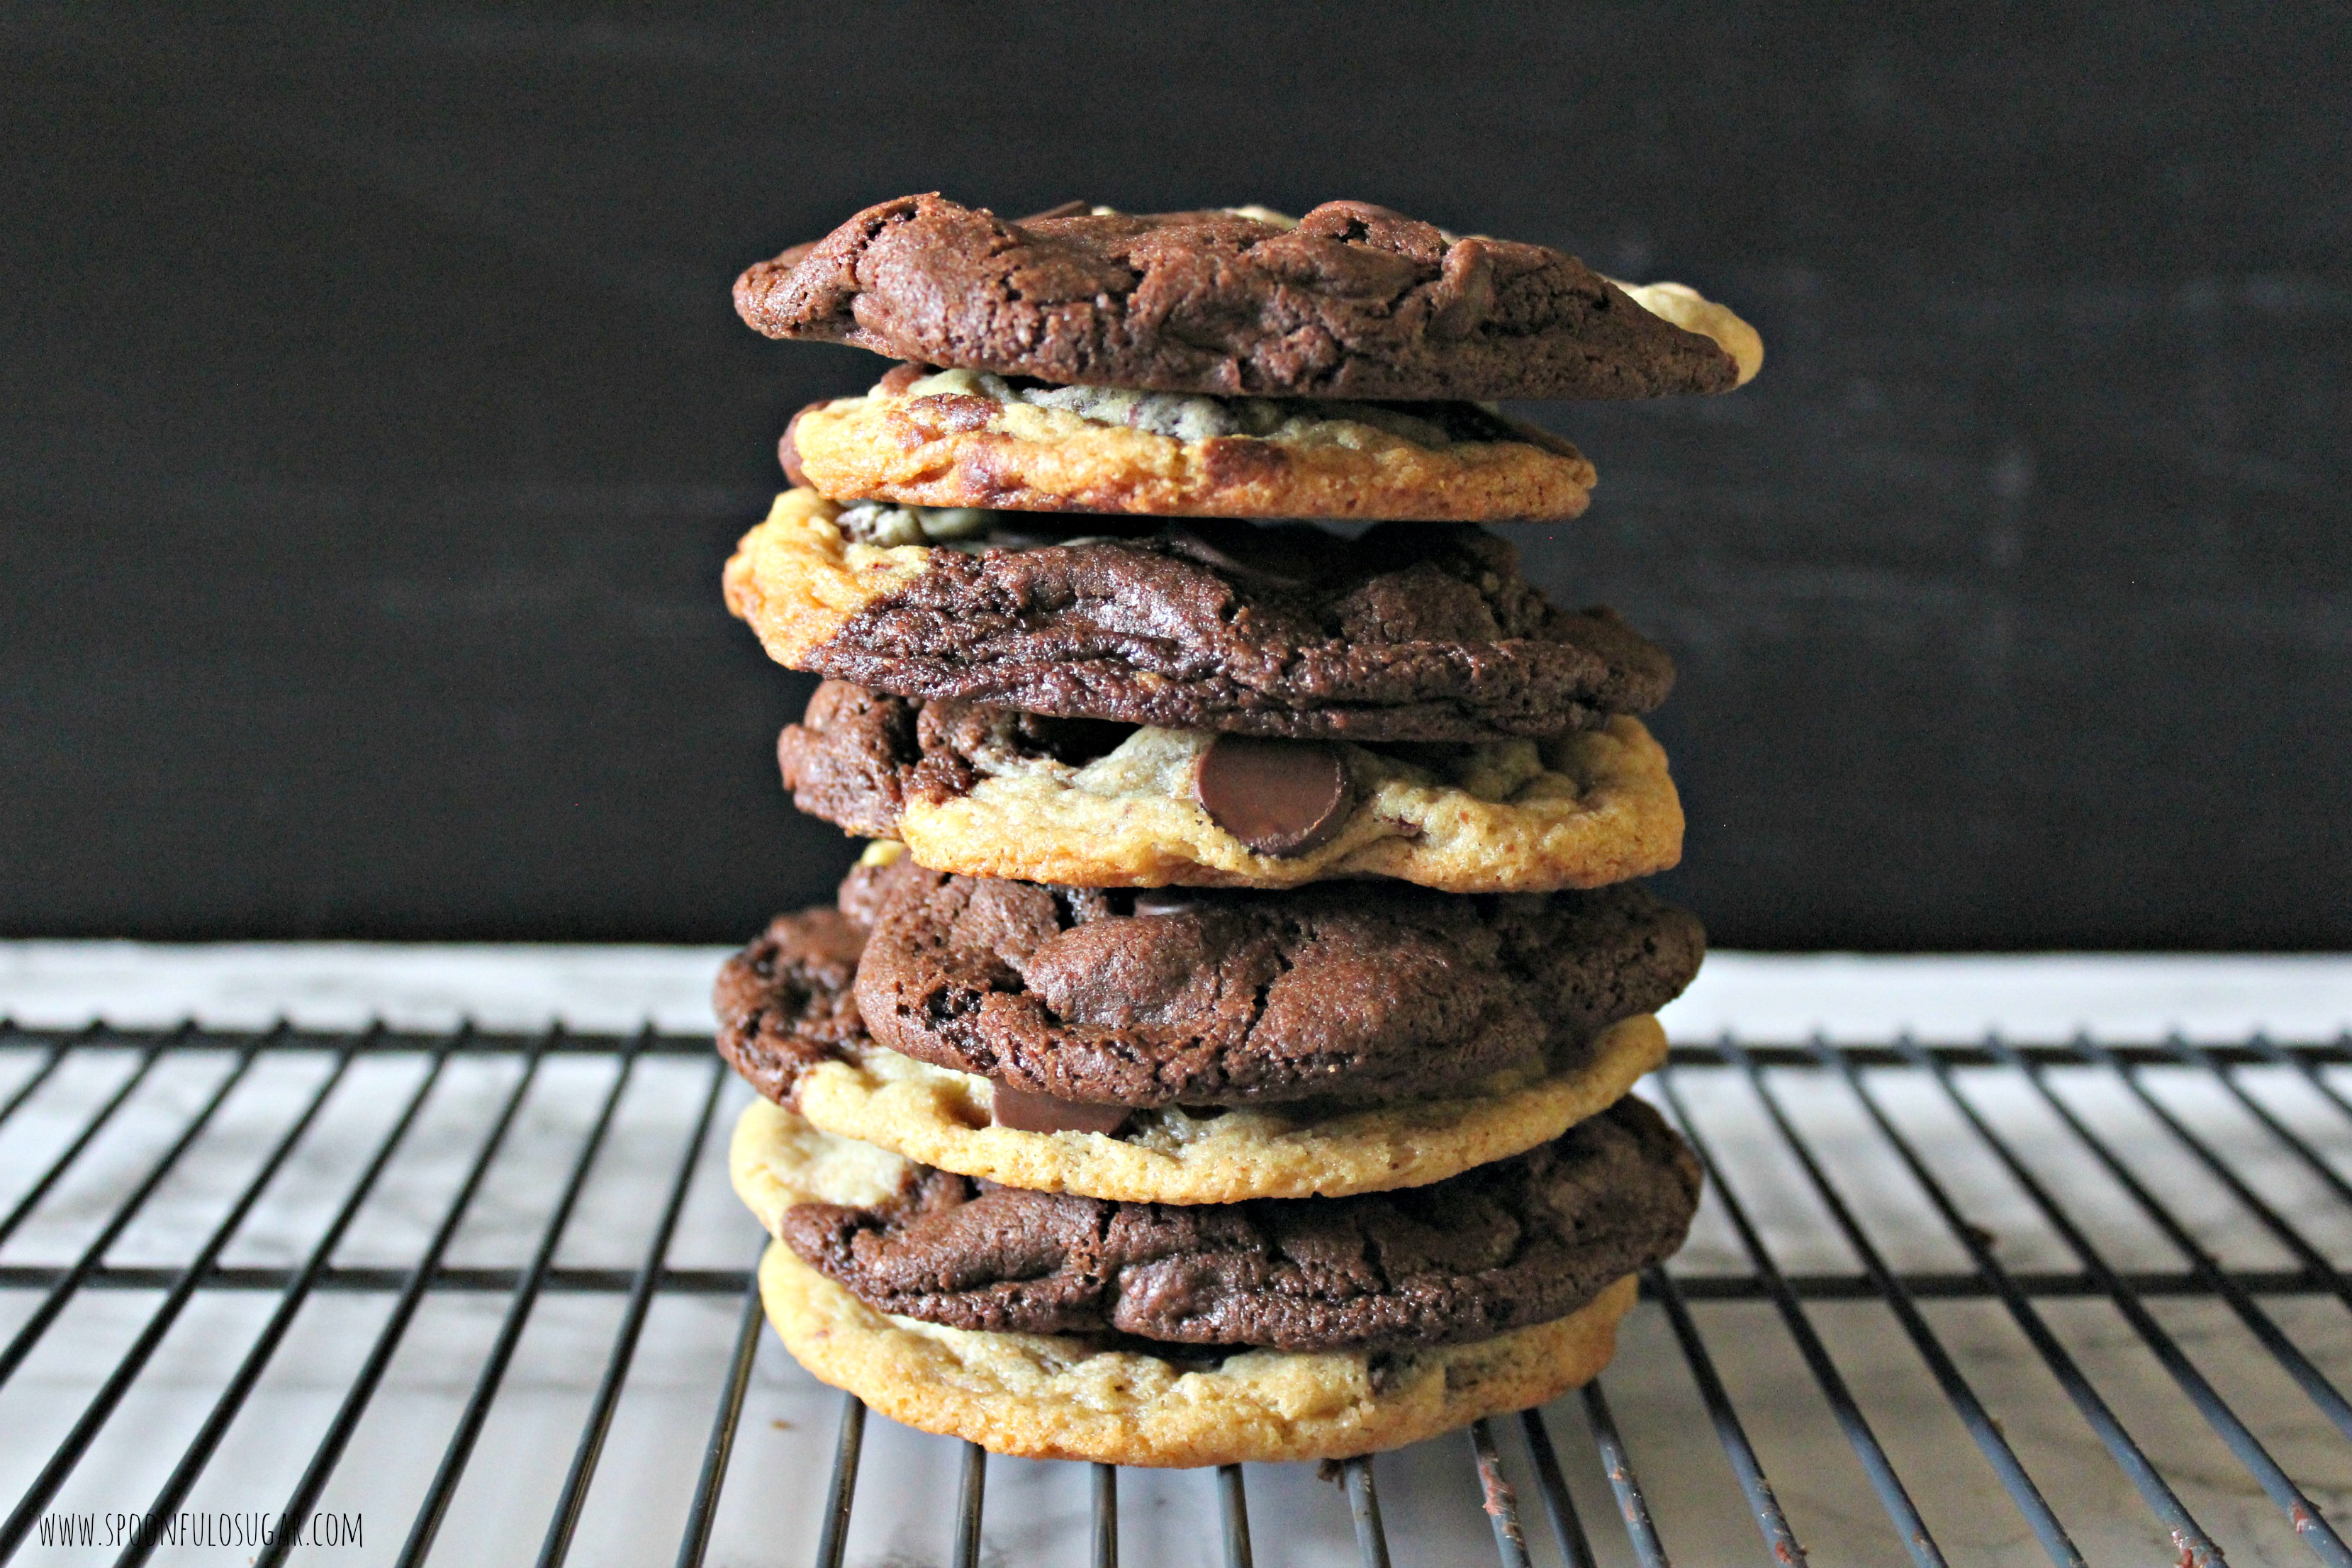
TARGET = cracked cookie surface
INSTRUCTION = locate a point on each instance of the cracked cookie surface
(1520, 1241)
(1348, 993)
(964, 438)
(989, 792)
(787, 1024)
(1351, 300)
(1411, 632)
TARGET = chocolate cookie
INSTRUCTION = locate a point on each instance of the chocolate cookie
(1411, 632)
(1351, 993)
(992, 792)
(1352, 300)
(1518, 1242)
(966, 438)
(788, 1022)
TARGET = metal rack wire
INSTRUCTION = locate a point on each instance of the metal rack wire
(1972, 1200)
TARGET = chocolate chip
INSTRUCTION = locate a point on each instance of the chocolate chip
(1343, 214)
(900, 377)
(1521, 430)
(1279, 797)
(1467, 287)
(1026, 1113)
(1165, 901)
(789, 454)
(954, 412)
(1242, 550)
(1042, 530)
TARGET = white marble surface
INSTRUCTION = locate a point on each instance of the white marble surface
(1037, 1511)
(1760, 995)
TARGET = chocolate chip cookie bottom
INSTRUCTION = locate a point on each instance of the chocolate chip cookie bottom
(967, 438)
(1411, 632)
(989, 792)
(1351, 300)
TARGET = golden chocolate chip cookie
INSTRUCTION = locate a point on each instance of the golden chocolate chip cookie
(1064, 1397)
(967, 438)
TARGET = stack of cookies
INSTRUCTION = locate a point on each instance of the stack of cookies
(1221, 1051)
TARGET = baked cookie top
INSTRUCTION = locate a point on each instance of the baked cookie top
(970, 438)
(1351, 300)
(1410, 632)
(993, 792)
(1521, 1241)
(1352, 992)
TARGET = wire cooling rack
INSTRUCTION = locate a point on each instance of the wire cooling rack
(487, 1299)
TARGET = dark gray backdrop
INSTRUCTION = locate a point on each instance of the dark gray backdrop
(377, 424)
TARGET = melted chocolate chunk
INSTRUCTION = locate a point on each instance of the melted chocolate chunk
(1520, 1241)
(1276, 557)
(1026, 1113)
(1279, 797)
(788, 455)
(1165, 901)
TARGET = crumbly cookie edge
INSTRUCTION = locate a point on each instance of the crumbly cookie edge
(796, 583)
